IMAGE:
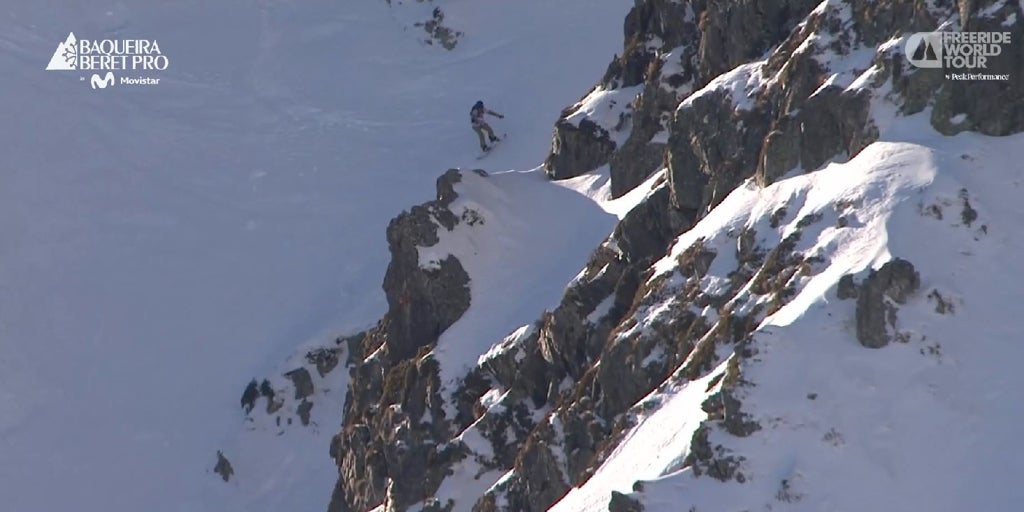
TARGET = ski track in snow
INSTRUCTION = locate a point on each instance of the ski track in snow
(163, 245)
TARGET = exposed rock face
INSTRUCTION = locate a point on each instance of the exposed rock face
(249, 396)
(896, 280)
(671, 49)
(422, 302)
(790, 111)
(438, 32)
(622, 503)
(550, 401)
(847, 288)
(394, 418)
(577, 149)
(223, 467)
(302, 381)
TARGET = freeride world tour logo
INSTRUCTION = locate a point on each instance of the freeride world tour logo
(962, 55)
(105, 56)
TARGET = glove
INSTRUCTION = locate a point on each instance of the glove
(501, 116)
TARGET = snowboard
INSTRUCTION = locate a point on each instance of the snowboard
(495, 144)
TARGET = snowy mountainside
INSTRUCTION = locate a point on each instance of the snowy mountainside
(833, 419)
(769, 186)
(166, 245)
(775, 268)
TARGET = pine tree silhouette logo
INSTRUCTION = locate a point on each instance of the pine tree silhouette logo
(924, 49)
(65, 58)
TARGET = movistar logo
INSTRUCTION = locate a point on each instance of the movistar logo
(102, 83)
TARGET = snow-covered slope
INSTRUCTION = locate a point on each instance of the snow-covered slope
(164, 245)
(790, 182)
(508, 254)
(926, 423)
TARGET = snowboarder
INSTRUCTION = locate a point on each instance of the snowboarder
(476, 118)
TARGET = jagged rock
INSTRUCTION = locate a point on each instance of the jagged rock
(423, 302)
(467, 397)
(541, 483)
(394, 420)
(505, 430)
(223, 467)
(648, 23)
(645, 232)
(438, 32)
(833, 121)
(268, 392)
(385, 449)
(709, 154)
(896, 280)
(943, 305)
(249, 396)
(634, 162)
(337, 502)
(716, 461)
(581, 431)
(703, 40)
(504, 364)
(302, 381)
(737, 32)
(847, 288)
(780, 152)
(414, 463)
(362, 470)
(640, 156)
(303, 410)
(967, 213)
(325, 360)
(623, 503)
(577, 149)
(353, 346)
(725, 408)
(391, 443)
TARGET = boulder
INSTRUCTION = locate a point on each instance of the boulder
(895, 281)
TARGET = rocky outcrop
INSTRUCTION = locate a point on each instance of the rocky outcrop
(623, 503)
(302, 382)
(791, 111)
(223, 467)
(641, 352)
(720, 95)
(895, 281)
(671, 49)
(577, 149)
(388, 448)
(422, 301)
(438, 32)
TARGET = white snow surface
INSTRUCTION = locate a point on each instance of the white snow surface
(527, 239)
(163, 245)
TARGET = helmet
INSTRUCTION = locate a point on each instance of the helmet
(478, 104)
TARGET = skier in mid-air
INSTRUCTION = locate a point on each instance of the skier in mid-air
(476, 117)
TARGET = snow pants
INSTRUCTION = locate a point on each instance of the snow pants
(480, 129)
